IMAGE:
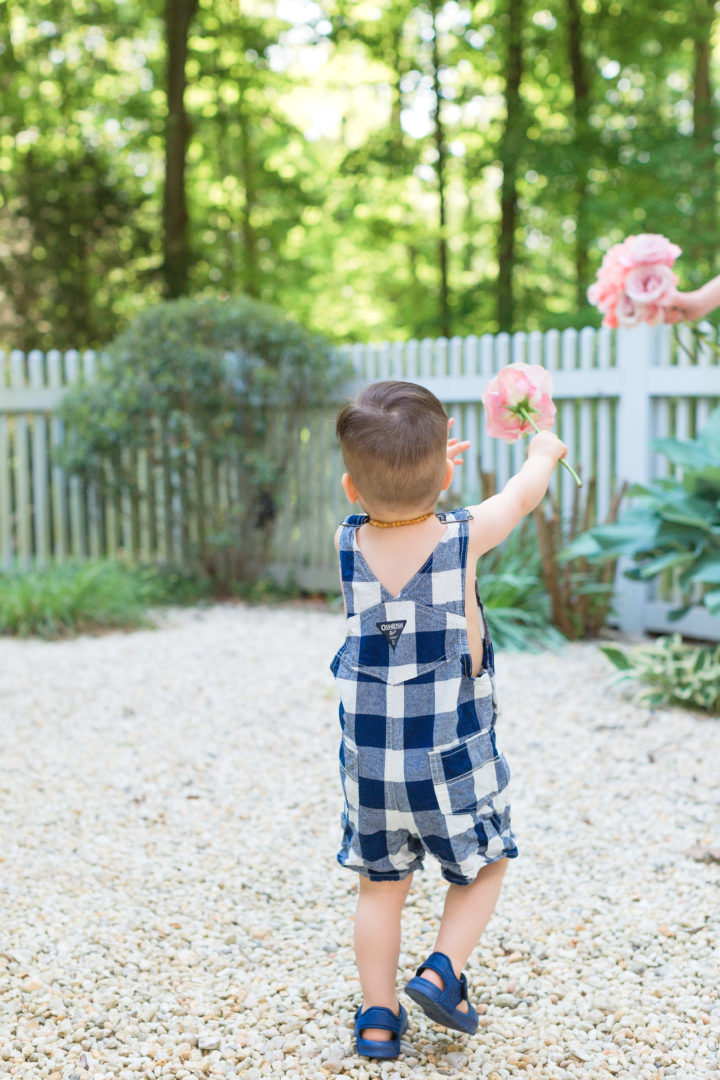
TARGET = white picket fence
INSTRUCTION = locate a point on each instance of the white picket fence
(615, 392)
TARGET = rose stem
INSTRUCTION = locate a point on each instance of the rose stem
(525, 413)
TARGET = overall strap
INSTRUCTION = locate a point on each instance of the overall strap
(353, 573)
(444, 584)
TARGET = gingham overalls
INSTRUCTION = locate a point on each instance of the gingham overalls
(419, 763)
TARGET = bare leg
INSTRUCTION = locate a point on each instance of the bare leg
(467, 912)
(377, 944)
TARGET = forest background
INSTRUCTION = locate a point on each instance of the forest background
(383, 169)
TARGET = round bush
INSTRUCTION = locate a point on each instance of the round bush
(195, 384)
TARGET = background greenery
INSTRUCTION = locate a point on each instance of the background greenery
(672, 527)
(200, 386)
(377, 169)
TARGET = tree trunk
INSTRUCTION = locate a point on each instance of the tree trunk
(705, 187)
(176, 254)
(440, 172)
(400, 67)
(581, 111)
(510, 148)
(250, 276)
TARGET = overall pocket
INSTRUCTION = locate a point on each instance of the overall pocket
(399, 641)
(335, 662)
(468, 773)
(348, 762)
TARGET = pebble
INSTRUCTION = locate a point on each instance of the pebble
(456, 1061)
(209, 1042)
(172, 906)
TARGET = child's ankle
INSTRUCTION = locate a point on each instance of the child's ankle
(432, 977)
(385, 1003)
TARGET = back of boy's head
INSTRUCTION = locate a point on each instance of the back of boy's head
(393, 437)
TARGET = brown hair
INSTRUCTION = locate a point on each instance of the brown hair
(393, 437)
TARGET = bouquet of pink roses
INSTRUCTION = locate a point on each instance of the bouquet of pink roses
(636, 284)
(635, 281)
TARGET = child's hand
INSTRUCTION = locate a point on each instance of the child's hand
(546, 444)
(454, 446)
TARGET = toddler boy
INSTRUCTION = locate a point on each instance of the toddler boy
(419, 762)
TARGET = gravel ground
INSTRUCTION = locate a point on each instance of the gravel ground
(171, 905)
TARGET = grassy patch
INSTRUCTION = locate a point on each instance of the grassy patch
(74, 598)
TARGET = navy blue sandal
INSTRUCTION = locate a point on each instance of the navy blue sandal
(377, 1016)
(442, 1005)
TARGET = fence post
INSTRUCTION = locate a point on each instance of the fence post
(635, 351)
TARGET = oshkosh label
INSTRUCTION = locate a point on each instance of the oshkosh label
(391, 631)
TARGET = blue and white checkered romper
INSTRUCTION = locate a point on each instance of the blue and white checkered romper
(419, 764)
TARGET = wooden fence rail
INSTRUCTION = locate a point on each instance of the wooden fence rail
(615, 392)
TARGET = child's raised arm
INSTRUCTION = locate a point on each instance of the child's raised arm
(496, 517)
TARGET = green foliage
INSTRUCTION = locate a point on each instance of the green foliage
(267, 591)
(673, 672)
(194, 385)
(313, 172)
(673, 525)
(580, 593)
(175, 585)
(77, 598)
(514, 597)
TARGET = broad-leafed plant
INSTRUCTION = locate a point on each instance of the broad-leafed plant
(672, 525)
(672, 671)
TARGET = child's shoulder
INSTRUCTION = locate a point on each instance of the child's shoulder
(353, 521)
(461, 513)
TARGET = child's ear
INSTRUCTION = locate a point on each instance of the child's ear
(449, 473)
(349, 488)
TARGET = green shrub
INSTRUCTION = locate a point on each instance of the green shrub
(516, 603)
(76, 598)
(197, 384)
(673, 525)
(673, 672)
(267, 591)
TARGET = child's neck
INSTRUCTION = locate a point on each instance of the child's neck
(398, 522)
(397, 516)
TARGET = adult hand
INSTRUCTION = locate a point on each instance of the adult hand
(685, 305)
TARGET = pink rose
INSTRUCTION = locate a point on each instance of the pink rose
(605, 291)
(517, 389)
(604, 295)
(654, 314)
(627, 312)
(519, 400)
(650, 284)
(648, 248)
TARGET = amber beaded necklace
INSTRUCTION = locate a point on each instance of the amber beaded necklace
(394, 524)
